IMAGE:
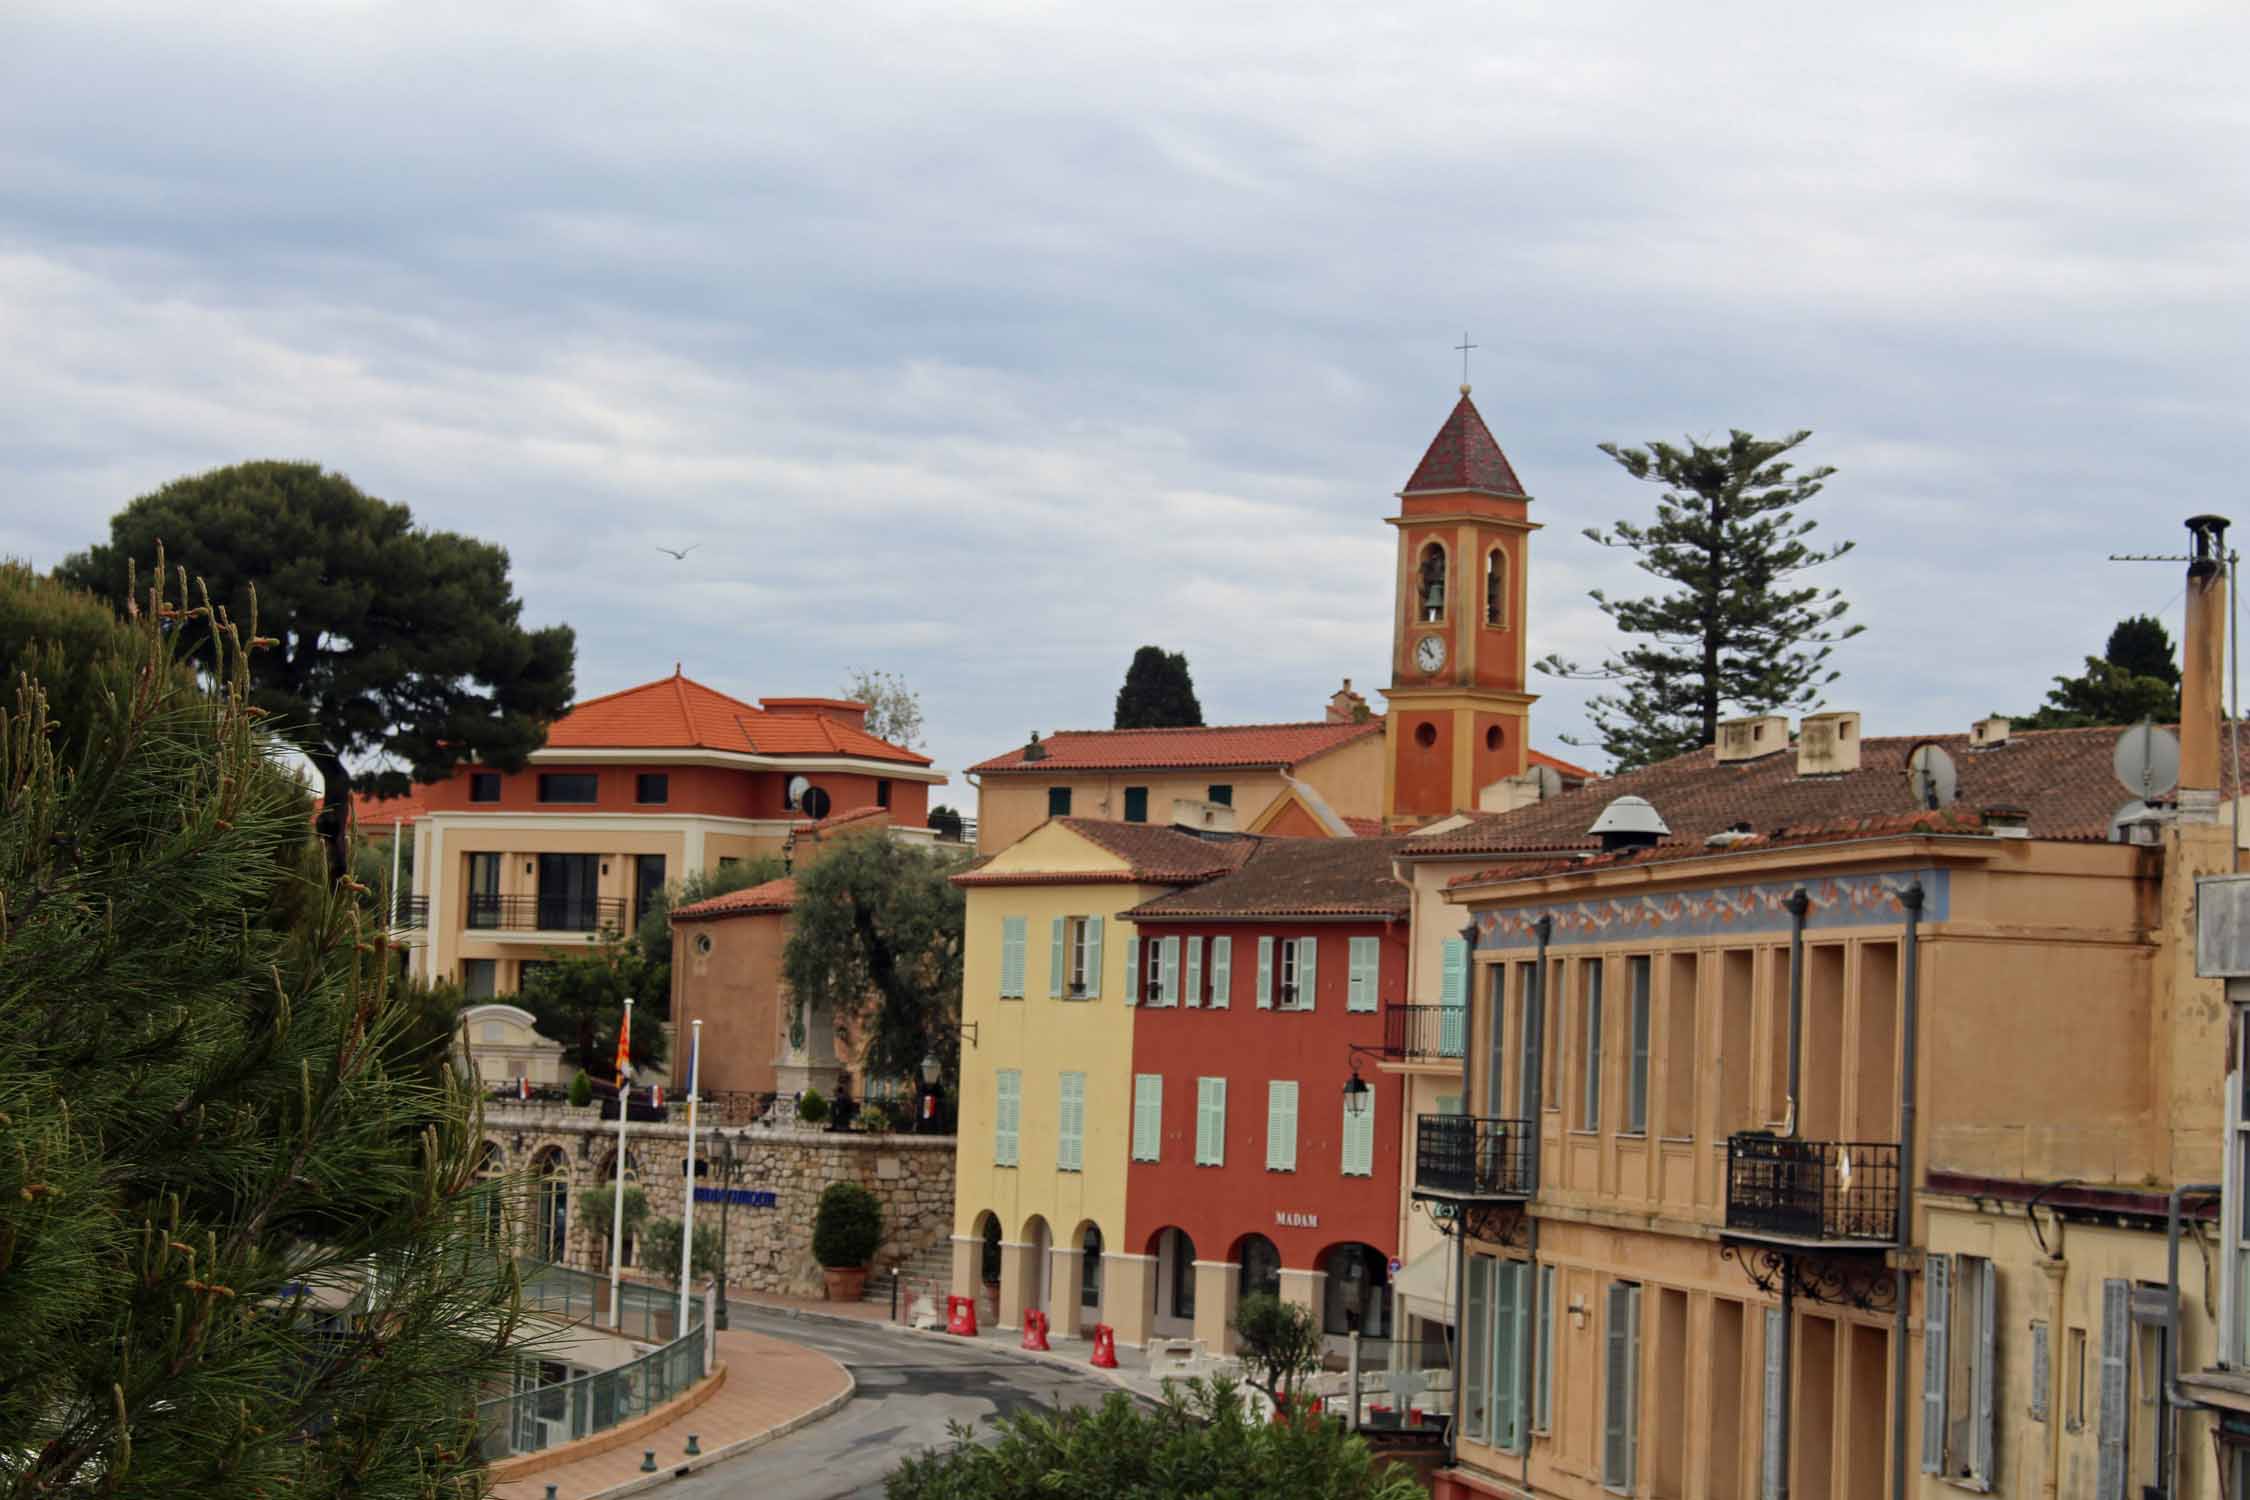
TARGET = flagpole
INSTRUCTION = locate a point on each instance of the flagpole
(687, 1206)
(617, 1207)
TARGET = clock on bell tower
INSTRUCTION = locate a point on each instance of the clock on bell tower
(1457, 711)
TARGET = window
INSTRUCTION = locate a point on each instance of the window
(1070, 1124)
(1007, 1116)
(1453, 997)
(1090, 1269)
(1075, 961)
(1261, 1268)
(1359, 1141)
(1191, 985)
(1295, 965)
(2074, 1380)
(1163, 973)
(568, 899)
(1495, 1039)
(569, 786)
(1222, 971)
(484, 786)
(1148, 1116)
(1058, 802)
(1529, 998)
(1476, 1351)
(1543, 1360)
(1678, 1116)
(1958, 1347)
(1136, 804)
(1621, 1388)
(1210, 1122)
(1636, 1074)
(1430, 584)
(1183, 1276)
(480, 978)
(1494, 1353)
(2114, 1419)
(529, 969)
(1281, 1126)
(1590, 1076)
(484, 890)
(1220, 792)
(648, 884)
(729, 861)
(1366, 956)
(1012, 944)
(652, 787)
(1496, 588)
(882, 791)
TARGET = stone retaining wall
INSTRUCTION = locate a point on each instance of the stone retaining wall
(769, 1246)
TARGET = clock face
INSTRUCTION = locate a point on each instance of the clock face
(1429, 652)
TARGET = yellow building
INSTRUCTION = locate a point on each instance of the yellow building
(1046, 1068)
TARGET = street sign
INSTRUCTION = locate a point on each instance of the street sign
(1394, 1265)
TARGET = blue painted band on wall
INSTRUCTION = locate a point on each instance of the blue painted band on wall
(739, 1197)
(1720, 911)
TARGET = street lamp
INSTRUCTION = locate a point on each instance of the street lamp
(1358, 1097)
(727, 1174)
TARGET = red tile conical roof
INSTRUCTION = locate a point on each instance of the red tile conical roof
(1465, 456)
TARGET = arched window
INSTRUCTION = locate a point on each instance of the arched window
(1261, 1267)
(554, 1205)
(1090, 1269)
(1430, 584)
(1496, 587)
(492, 1172)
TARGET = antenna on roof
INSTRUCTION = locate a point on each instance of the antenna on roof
(2234, 658)
(1931, 775)
(2147, 760)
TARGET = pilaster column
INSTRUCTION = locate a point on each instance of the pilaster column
(1065, 1268)
(1129, 1295)
(1218, 1284)
(1308, 1289)
(968, 1250)
(1016, 1276)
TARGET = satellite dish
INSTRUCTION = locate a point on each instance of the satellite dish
(1930, 773)
(1548, 780)
(2147, 760)
(798, 786)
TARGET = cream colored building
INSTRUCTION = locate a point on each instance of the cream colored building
(497, 1045)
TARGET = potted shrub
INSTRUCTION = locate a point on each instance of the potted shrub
(812, 1109)
(581, 1090)
(846, 1229)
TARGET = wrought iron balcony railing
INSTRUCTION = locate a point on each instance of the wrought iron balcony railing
(1473, 1156)
(1424, 1033)
(410, 911)
(546, 913)
(1783, 1188)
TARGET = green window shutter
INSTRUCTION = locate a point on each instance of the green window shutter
(1507, 1388)
(1070, 1131)
(1987, 1334)
(1132, 971)
(1148, 1116)
(2115, 1420)
(1011, 957)
(1059, 964)
(1475, 1385)
(1169, 971)
(1453, 999)
(1265, 973)
(2042, 1369)
(1621, 1388)
(1222, 971)
(1008, 1083)
(1194, 983)
(1308, 972)
(1136, 804)
(1771, 1411)
(1359, 1143)
(1281, 1126)
(1366, 955)
(1093, 958)
(1218, 1122)
(1543, 1357)
(1937, 1306)
(1203, 1122)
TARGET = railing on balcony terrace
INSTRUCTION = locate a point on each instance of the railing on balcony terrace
(1424, 1033)
(546, 913)
(1812, 1190)
(1473, 1156)
(410, 911)
(538, 1416)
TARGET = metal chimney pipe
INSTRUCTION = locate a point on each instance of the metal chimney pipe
(2202, 670)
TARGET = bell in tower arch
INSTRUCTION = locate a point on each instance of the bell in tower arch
(1433, 583)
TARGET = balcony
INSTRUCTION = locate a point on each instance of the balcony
(546, 913)
(410, 911)
(1834, 1194)
(1459, 1157)
(1425, 1033)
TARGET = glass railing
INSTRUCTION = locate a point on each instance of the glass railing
(538, 1416)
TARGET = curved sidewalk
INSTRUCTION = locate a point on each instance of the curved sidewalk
(772, 1387)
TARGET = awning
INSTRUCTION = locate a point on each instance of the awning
(1427, 1283)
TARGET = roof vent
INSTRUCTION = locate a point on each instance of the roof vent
(1629, 823)
(1747, 739)
(1035, 750)
(2007, 822)
(1989, 734)
(1728, 837)
(1828, 744)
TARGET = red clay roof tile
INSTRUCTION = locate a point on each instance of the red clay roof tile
(774, 896)
(1229, 745)
(1296, 878)
(1465, 456)
(679, 713)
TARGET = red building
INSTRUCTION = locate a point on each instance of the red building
(1246, 1170)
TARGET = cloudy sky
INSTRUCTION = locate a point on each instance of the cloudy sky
(985, 342)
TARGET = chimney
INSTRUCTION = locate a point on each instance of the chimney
(1629, 823)
(1989, 734)
(1346, 706)
(1828, 744)
(1034, 750)
(2202, 661)
(1747, 739)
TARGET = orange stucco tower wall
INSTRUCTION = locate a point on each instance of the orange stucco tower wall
(1458, 713)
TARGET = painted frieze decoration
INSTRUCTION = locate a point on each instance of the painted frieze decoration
(1873, 900)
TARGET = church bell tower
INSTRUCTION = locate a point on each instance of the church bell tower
(1458, 713)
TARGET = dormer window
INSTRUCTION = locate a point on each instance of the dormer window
(1431, 584)
(1496, 588)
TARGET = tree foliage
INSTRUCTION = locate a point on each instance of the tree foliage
(876, 936)
(244, 1246)
(2133, 679)
(894, 710)
(578, 999)
(391, 641)
(1281, 1343)
(1734, 635)
(597, 1209)
(1158, 693)
(1204, 1440)
(847, 1227)
(78, 647)
(660, 1248)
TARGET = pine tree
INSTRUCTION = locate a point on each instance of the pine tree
(1733, 635)
(2133, 679)
(243, 1246)
(1158, 692)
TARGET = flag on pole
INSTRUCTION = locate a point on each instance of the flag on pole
(625, 1048)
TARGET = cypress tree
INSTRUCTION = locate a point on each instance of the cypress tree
(243, 1247)
(1158, 692)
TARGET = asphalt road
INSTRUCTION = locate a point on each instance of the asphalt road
(909, 1389)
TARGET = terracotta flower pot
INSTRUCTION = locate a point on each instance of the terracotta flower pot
(845, 1284)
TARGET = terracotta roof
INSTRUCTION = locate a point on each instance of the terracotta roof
(1570, 772)
(1245, 745)
(1465, 456)
(2060, 777)
(1152, 855)
(773, 896)
(371, 811)
(679, 713)
(835, 821)
(1296, 878)
(1365, 827)
(1957, 821)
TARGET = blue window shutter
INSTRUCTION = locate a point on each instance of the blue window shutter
(1222, 971)
(1007, 1083)
(1011, 957)
(1265, 973)
(1507, 1308)
(1093, 958)
(1194, 982)
(1059, 964)
(1132, 971)
(1475, 1349)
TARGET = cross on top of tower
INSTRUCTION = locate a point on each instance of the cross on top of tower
(1464, 347)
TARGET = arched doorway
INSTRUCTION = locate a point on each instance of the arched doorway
(1090, 1274)
(1260, 1263)
(1359, 1291)
(988, 1266)
(1038, 1278)
(1175, 1283)
(551, 1234)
